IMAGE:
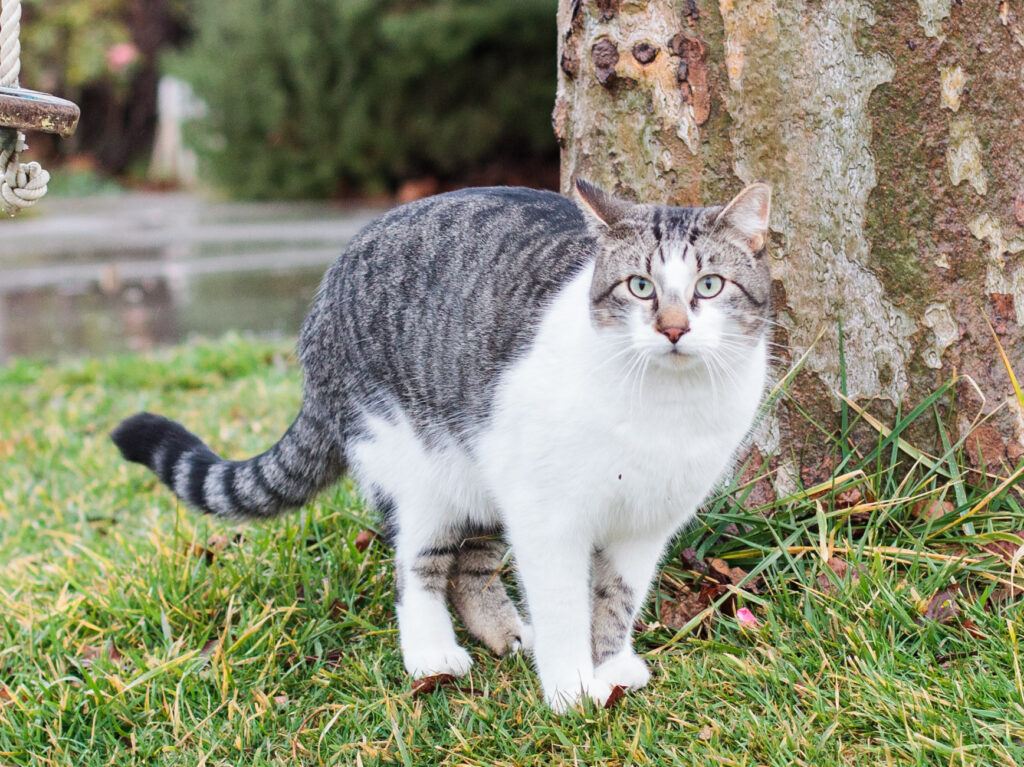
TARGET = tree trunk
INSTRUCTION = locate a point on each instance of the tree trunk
(893, 135)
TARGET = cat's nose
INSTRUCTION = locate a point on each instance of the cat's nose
(673, 334)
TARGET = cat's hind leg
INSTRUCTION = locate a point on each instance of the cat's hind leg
(423, 565)
(478, 594)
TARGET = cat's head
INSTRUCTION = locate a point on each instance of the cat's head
(681, 285)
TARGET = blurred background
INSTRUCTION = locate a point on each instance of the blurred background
(227, 150)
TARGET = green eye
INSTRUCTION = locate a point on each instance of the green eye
(641, 287)
(709, 286)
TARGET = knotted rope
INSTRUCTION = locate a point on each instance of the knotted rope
(22, 185)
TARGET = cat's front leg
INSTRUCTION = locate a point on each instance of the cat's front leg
(554, 567)
(621, 575)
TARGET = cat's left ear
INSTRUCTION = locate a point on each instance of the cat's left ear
(747, 215)
(607, 209)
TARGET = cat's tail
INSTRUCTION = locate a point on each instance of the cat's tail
(304, 461)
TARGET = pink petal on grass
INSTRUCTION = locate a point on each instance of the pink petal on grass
(747, 619)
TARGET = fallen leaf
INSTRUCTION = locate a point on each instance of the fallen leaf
(5, 696)
(706, 733)
(426, 685)
(721, 572)
(930, 509)
(1005, 593)
(113, 653)
(693, 562)
(209, 647)
(89, 654)
(747, 619)
(675, 614)
(972, 628)
(338, 609)
(848, 498)
(281, 700)
(942, 608)
(364, 539)
(1006, 550)
(617, 694)
(840, 567)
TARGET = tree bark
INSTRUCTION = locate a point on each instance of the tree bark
(893, 135)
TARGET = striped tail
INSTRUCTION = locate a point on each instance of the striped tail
(303, 462)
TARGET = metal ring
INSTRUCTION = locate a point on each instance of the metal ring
(32, 111)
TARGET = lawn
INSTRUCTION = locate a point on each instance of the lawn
(134, 632)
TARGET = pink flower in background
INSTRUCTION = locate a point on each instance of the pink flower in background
(121, 56)
(747, 619)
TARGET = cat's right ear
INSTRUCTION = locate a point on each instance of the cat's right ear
(603, 207)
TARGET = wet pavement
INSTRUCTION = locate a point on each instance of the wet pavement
(134, 271)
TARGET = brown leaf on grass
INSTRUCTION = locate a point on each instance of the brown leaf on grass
(1006, 550)
(5, 696)
(617, 694)
(89, 654)
(720, 571)
(209, 647)
(706, 733)
(848, 498)
(1005, 593)
(338, 609)
(943, 608)
(688, 604)
(281, 700)
(427, 684)
(840, 567)
(215, 545)
(972, 628)
(931, 509)
(693, 562)
(364, 539)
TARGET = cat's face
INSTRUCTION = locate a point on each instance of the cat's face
(681, 286)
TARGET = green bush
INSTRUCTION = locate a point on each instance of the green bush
(322, 97)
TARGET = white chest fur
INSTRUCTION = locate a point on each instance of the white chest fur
(629, 448)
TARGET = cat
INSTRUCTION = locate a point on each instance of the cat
(508, 365)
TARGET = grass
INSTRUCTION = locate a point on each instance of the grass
(133, 632)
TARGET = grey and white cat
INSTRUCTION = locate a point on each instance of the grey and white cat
(507, 365)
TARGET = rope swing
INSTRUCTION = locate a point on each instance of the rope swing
(22, 185)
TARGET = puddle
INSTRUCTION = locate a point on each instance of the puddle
(144, 271)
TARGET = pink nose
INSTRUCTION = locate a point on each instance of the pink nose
(673, 334)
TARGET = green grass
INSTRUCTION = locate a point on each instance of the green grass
(280, 647)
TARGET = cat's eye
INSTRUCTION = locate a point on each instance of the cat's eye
(641, 287)
(709, 286)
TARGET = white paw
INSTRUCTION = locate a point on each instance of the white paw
(566, 696)
(624, 669)
(525, 641)
(431, 661)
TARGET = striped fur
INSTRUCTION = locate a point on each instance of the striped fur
(484, 366)
(304, 461)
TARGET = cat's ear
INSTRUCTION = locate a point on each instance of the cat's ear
(607, 209)
(747, 215)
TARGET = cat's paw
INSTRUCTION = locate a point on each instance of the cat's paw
(508, 639)
(430, 661)
(565, 697)
(624, 669)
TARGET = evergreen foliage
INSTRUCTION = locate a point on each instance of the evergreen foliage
(326, 96)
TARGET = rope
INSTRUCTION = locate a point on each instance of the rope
(22, 185)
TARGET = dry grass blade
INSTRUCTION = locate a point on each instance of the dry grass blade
(1009, 368)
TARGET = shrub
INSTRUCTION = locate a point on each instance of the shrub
(322, 97)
